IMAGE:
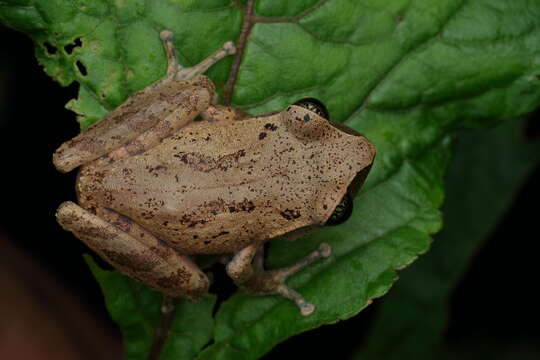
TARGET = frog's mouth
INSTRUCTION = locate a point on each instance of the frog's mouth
(343, 210)
(358, 181)
(297, 233)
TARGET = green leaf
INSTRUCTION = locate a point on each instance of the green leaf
(136, 309)
(406, 73)
(484, 176)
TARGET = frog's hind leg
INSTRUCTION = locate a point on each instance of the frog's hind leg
(247, 270)
(146, 117)
(134, 251)
(176, 71)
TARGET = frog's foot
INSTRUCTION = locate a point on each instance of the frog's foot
(176, 71)
(260, 282)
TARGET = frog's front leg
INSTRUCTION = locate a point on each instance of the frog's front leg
(134, 251)
(147, 116)
(247, 270)
(175, 70)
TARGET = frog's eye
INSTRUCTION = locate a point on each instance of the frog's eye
(313, 105)
(342, 212)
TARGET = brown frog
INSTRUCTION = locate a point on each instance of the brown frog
(155, 186)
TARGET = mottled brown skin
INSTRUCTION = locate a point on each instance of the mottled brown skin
(155, 187)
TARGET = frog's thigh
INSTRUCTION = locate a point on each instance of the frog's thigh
(179, 117)
(147, 261)
(246, 269)
(140, 123)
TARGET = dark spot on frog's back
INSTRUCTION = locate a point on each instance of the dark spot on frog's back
(194, 223)
(183, 158)
(206, 163)
(270, 126)
(246, 205)
(307, 118)
(262, 135)
(290, 214)
(219, 234)
(156, 169)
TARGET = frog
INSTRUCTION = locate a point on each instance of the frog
(170, 175)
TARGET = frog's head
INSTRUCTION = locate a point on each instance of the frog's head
(345, 155)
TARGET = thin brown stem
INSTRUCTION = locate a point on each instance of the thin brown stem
(241, 45)
(162, 332)
(292, 19)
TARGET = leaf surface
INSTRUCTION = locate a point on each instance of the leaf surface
(485, 174)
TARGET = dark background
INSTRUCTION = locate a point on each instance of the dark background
(49, 295)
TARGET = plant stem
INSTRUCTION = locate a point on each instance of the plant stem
(168, 308)
(241, 45)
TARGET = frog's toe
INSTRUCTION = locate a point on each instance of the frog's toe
(229, 48)
(166, 35)
(273, 281)
(305, 307)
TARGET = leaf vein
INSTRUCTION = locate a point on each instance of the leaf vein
(397, 64)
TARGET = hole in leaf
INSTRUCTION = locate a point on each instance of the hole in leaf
(50, 48)
(75, 44)
(81, 67)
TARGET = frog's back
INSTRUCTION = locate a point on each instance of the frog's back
(216, 188)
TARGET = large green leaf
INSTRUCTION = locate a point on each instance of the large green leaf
(406, 73)
(485, 174)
